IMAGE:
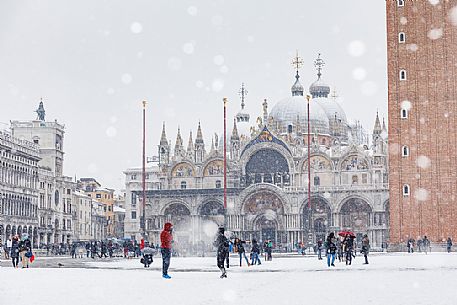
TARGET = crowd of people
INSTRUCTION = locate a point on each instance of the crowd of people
(18, 249)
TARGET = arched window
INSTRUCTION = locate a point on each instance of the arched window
(401, 37)
(404, 113)
(355, 179)
(400, 3)
(218, 184)
(183, 185)
(406, 190)
(317, 181)
(402, 74)
(405, 151)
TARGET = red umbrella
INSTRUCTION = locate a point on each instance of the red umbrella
(346, 233)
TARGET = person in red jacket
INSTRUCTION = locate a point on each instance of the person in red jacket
(166, 238)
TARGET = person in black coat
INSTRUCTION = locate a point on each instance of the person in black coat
(449, 245)
(255, 252)
(365, 248)
(241, 251)
(330, 248)
(222, 245)
(349, 248)
(15, 251)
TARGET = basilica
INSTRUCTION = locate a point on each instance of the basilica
(270, 161)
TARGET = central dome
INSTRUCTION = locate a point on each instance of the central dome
(292, 111)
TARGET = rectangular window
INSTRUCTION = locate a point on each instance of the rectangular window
(400, 3)
(133, 214)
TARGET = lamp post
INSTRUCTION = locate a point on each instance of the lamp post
(143, 224)
(308, 98)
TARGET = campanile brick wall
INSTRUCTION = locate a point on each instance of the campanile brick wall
(429, 57)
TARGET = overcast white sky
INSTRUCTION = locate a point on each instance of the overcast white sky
(93, 62)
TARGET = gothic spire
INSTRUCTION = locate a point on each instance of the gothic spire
(179, 142)
(199, 138)
(163, 138)
(384, 128)
(235, 135)
(377, 125)
(190, 145)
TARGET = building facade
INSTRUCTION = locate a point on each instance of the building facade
(267, 177)
(422, 59)
(18, 187)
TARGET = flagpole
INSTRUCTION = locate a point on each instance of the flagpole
(225, 152)
(144, 171)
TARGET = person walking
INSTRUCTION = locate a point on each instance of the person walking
(349, 248)
(319, 249)
(339, 249)
(14, 254)
(426, 244)
(331, 249)
(365, 247)
(222, 245)
(8, 248)
(269, 250)
(25, 250)
(239, 244)
(103, 250)
(87, 249)
(166, 238)
(449, 245)
(255, 252)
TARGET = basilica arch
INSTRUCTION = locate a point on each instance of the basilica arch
(263, 211)
(267, 165)
(320, 215)
(356, 215)
(179, 215)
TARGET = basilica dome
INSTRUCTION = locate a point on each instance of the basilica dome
(331, 108)
(293, 110)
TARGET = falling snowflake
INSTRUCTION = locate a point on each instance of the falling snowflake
(406, 105)
(192, 10)
(113, 119)
(359, 73)
(224, 69)
(453, 15)
(188, 48)
(412, 47)
(217, 85)
(136, 28)
(356, 48)
(126, 78)
(110, 91)
(423, 162)
(435, 33)
(421, 194)
(199, 84)
(403, 20)
(111, 131)
(434, 2)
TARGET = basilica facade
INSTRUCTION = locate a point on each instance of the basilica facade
(268, 196)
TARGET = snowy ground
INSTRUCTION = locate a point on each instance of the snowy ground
(389, 279)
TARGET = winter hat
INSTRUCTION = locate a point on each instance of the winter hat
(221, 230)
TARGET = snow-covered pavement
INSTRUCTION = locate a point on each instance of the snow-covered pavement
(389, 279)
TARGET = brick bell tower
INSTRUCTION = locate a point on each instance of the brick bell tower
(422, 107)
